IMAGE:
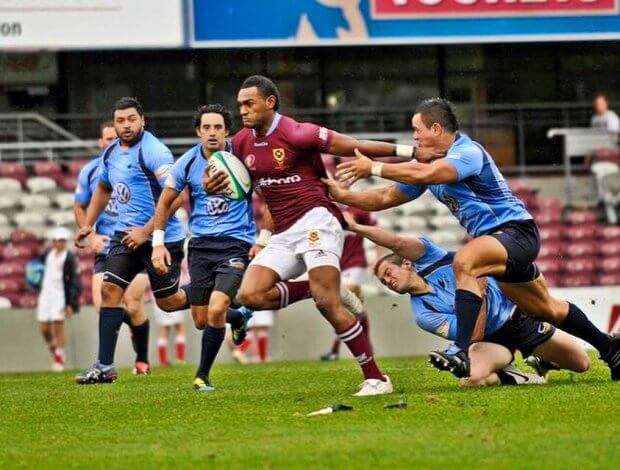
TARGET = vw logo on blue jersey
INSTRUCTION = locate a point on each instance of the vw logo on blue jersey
(123, 193)
(217, 205)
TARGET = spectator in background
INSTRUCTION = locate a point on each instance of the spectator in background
(603, 117)
(59, 297)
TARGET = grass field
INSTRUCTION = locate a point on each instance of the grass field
(256, 419)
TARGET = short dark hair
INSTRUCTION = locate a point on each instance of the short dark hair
(265, 86)
(127, 102)
(213, 108)
(438, 110)
(103, 125)
(391, 258)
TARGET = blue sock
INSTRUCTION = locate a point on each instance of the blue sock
(212, 339)
(577, 324)
(110, 321)
(467, 306)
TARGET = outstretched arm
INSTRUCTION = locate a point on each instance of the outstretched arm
(344, 146)
(410, 248)
(413, 173)
(369, 200)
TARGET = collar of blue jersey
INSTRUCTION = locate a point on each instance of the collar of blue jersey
(274, 124)
(227, 148)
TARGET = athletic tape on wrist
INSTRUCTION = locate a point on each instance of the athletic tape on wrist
(159, 237)
(376, 169)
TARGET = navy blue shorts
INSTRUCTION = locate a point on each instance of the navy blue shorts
(521, 333)
(99, 266)
(216, 263)
(522, 242)
(123, 264)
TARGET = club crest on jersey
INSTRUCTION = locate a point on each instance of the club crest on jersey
(451, 203)
(123, 193)
(250, 160)
(314, 238)
(279, 157)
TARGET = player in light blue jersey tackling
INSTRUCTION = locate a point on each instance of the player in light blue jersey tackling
(461, 174)
(222, 236)
(424, 271)
(134, 167)
(98, 240)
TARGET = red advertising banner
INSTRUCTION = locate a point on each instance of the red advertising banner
(446, 9)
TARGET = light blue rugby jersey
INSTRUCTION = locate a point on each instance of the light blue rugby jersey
(86, 185)
(137, 175)
(211, 215)
(434, 312)
(481, 200)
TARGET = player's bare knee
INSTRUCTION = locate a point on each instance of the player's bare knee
(111, 294)
(248, 297)
(462, 264)
(581, 363)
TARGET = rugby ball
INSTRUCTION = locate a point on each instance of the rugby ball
(240, 181)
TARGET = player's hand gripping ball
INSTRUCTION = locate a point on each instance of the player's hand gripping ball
(239, 181)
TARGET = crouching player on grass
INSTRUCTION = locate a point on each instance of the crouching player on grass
(222, 237)
(424, 271)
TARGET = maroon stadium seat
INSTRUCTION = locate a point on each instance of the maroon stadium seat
(609, 248)
(609, 232)
(9, 286)
(581, 218)
(579, 280)
(544, 218)
(576, 233)
(585, 265)
(550, 248)
(20, 235)
(552, 280)
(551, 232)
(75, 166)
(46, 168)
(10, 252)
(575, 250)
(85, 252)
(27, 300)
(86, 264)
(549, 204)
(610, 264)
(14, 170)
(86, 298)
(607, 155)
(11, 268)
(611, 279)
(67, 182)
(549, 265)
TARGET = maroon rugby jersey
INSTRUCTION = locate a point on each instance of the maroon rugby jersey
(286, 164)
(353, 255)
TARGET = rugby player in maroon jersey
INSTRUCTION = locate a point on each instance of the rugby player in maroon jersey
(283, 157)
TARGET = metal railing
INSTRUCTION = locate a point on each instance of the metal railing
(527, 124)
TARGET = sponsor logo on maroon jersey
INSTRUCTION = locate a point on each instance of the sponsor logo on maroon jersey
(287, 180)
(279, 157)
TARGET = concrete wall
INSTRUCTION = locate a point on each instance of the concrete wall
(299, 333)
